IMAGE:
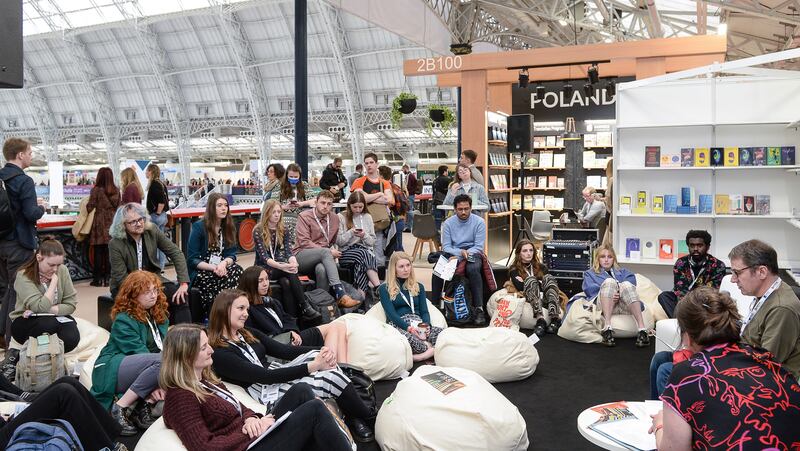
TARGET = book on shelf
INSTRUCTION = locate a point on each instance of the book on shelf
(625, 204)
(560, 181)
(702, 157)
(652, 156)
(443, 382)
(560, 160)
(658, 204)
(773, 156)
(745, 156)
(688, 196)
(717, 156)
(642, 203)
(749, 207)
(736, 204)
(670, 203)
(759, 156)
(552, 181)
(722, 204)
(632, 249)
(588, 158)
(686, 210)
(542, 182)
(538, 201)
(516, 201)
(559, 141)
(549, 202)
(683, 249)
(594, 181)
(649, 249)
(546, 159)
(670, 159)
(604, 139)
(705, 204)
(550, 141)
(559, 203)
(787, 155)
(665, 249)
(731, 156)
(762, 204)
(539, 142)
(530, 181)
(589, 140)
(687, 157)
(532, 161)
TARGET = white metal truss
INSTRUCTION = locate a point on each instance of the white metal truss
(348, 78)
(42, 115)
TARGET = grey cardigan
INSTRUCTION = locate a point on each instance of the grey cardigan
(346, 238)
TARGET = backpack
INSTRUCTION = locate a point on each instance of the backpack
(457, 308)
(324, 303)
(41, 362)
(363, 384)
(400, 206)
(6, 212)
(45, 435)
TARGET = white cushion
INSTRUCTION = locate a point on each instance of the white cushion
(496, 353)
(377, 347)
(667, 335)
(437, 319)
(87, 368)
(476, 416)
(742, 302)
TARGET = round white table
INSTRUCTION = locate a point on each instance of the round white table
(589, 416)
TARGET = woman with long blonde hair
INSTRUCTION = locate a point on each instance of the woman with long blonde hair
(403, 300)
(132, 190)
(206, 415)
(274, 243)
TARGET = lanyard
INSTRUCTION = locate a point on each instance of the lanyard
(410, 304)
(757, 303)
(227, 396)
(139, 252)
(155, 332)
(275, 315)
(695, 278)
(247, 350)
(327, 225)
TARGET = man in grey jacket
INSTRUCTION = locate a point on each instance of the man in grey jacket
(593, 209)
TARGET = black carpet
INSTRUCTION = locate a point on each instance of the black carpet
(570, 377)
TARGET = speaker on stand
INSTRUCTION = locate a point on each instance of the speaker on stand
(520, 140)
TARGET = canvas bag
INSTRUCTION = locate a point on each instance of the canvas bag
(508, 312)
(324, 303)
(41, 362)
(582, 323)
(457, 307)
(47, 435)
(380, 216)
(83, 224)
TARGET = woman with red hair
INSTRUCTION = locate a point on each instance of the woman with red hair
(104, 200)
(128, 365)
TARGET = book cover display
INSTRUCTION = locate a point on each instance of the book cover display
(649, 250)
(665, 249)
(749, 205)
(787, 155)
(702, 157)
(632, 249)
(658, 204)
(687, 157)
(683, 248)
(670, 203)
(722, 204)
(652, 156)
(706, 204)
(759, 156)
(443, 382)
(717, 157)
(625, 204)
(762, 204)
(745, 156)
(641, 206)
(773, 156)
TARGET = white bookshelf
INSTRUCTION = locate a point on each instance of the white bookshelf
(707, 112)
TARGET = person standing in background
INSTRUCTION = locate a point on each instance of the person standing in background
(131, 188)
(157, 203)
(410, 185)
(275, 173)
(469, 157)
(358, 173)
(333, 179)
(440, 186)
(104, 200)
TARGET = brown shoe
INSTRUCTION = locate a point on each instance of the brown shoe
(348, 302)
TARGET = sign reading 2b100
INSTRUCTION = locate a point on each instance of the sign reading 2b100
(439, 63)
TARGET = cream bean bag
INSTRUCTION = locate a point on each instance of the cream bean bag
(526, 320)
(648, 292)
(437, 319)
(476, 416)
(667, 335)
(496, 353)
(377, 347)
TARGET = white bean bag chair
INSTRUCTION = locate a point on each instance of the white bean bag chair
(159, 438)
(496, 353)
(667, 335)
(377, 347)
(437, 319)
(418, 416)
(526, 321)
(648, 292)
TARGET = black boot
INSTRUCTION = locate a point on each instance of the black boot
(555, 323)
(480, 317)
(9, 366)
(121, 415)
(309, 313)
(540, 328)
(361, 431)
(96, 282)
(142, 416)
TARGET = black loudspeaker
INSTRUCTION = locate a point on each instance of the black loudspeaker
(10, 44)
(520, 133)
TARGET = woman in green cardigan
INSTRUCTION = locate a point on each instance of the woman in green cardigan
(128, 365)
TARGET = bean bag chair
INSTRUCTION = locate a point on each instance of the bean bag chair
(526, 320)
(378, 348)
(418, 416)
(508, 312)
(648, 292)
(496, 353)
(437, 319)
(667, 335)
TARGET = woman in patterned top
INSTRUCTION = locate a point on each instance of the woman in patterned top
(293, 196)
(727, 395)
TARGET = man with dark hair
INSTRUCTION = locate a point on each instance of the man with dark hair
(18, 245)
(697, 269)
(333, 179)
(773, 322)
(469, 157)
(463, 238)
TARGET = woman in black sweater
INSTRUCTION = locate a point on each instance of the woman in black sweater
(246, 357)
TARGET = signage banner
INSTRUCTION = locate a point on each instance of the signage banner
(555, 107)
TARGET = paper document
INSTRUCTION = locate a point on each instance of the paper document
(271, 428)
(445, 268)
(627, 424)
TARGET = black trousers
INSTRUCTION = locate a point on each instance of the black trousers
(23, 328)
(12, 257)
(474, 277)
(67, 399)
(291, 290)
(102, 264)
(310, 426)
(190, 311)
(668, 301)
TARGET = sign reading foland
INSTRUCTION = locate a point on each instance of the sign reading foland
(555, 106)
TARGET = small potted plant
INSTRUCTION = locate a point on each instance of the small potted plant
(404, 103)
(440, 114)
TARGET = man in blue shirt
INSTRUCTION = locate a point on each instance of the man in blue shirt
(463, 238)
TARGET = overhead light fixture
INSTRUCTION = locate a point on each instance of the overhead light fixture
(523, 78)
(562, 22)
(569, 131)
(588, 89)
(540, 91)
(611, 88)
(567, 90)
(593, 73)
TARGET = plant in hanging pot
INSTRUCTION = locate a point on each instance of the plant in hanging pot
(404, 103)
(440, 114)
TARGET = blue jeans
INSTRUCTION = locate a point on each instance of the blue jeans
(399, 236)
(410, 215)
(438, 217)
(660, 369)
(160, 221)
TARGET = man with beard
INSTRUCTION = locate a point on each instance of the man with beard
(697, 269)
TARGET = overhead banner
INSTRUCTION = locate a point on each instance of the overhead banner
(555, 107)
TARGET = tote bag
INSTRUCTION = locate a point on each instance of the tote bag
(582, 323)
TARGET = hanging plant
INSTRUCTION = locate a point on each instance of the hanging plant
(440, 114)
(404, 103)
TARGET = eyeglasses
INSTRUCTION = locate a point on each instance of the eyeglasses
(153, 291)
(135, 222)
(738, 272)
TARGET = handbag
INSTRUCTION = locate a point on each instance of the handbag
(83, 223)
(363, 384)
(582, 323)
(380, 216)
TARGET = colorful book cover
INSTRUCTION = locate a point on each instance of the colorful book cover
(649, 249)
(745, 156)
(614, 411)
(443, 382)
(641, 206)
(683, 248)
(670, 159)
(688, 196)
(652, 156)
(552, 181)
(665, 249)
(737, 204)
(749, 205)
(670, 203)
(722, 204)
(625, 204)
(762, 204)
(787, 155)
(717, 156)
(632, 249)
(687, 157)
(731, 156)
(773, 156)
(542, 182)
(759, 156)
(702, 157)
(658, 204)
(706, 203)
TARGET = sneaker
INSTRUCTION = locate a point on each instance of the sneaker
(540, 328)
(480, 317)
(8, 367)
(347, 302)
(142, 416)
(28, 396)
(642, 339)
(608, 338)
(122, 416)
(555, 323)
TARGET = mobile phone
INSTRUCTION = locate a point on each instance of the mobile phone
(359, 230)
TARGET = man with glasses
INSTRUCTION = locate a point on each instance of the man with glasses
(134, 245)
(698, 269)
(333, 179)
(773, 321)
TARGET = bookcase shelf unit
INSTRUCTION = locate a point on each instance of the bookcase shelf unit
(740, 111)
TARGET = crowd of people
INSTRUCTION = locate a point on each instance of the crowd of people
(174, 344)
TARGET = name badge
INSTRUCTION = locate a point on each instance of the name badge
(215, 260)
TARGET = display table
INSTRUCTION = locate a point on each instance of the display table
(589, 416)
(77, 252)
